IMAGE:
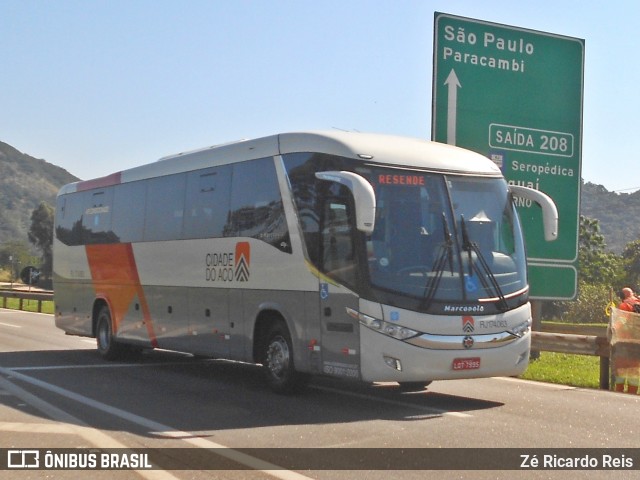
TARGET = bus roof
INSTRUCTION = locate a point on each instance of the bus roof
(391, 150)
(374, 148)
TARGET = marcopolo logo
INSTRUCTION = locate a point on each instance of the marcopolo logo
(229, 266)
(468, 325)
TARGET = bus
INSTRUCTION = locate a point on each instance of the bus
(361, 256)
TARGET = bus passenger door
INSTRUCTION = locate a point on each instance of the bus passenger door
(338, 262)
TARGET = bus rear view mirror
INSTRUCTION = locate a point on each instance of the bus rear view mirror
(363, 195)
(549, 210)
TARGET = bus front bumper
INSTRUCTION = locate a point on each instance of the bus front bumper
(385, 359)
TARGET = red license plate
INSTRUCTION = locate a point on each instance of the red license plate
(466, 363)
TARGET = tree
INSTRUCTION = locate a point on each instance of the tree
(14, 255)
(590, 305)
(41, 235)
(596, 266)
(598, 271)
(631, 259)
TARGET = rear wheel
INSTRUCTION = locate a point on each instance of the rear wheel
(108, 348)
(278, 363)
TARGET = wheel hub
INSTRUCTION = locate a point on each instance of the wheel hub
(278, 357)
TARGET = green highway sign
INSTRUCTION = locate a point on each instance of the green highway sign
(515, 95)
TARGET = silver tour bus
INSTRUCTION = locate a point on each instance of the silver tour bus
(368, 257)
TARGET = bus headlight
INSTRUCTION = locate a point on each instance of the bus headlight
(390, 329)
(522, 329)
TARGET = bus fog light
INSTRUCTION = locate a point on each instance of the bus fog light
(393, 363)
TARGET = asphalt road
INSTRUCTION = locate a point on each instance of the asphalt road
(222, 421)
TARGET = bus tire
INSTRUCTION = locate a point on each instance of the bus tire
(108, 348)
(279, 369)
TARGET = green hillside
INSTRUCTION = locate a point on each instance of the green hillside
(618, 214)
(24, 183)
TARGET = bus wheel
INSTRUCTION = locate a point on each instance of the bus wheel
(278, 365)
(108, 348)
(413, 386)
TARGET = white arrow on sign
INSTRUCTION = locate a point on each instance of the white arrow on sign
(452, 106)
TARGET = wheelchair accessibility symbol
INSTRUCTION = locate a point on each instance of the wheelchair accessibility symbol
(471, 284)
(324, 291)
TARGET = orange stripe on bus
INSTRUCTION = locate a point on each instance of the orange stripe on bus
(113, 179)
(115, 278)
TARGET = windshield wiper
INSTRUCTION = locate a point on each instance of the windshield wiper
(471, 246)
(446, 253)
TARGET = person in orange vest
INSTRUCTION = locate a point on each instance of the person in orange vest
(627, 370)
(629, 301)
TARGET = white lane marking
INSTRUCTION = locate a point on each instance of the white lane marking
(430, 411)
(12, 310)
(74, 424)
(227, 452)
(10, 325)
(35, 427)
(555, 386)
(99, 365)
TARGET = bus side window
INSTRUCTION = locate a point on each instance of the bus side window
(165, 208)
(207, 205)
(256, 206)
(128, 211)
(69, 215)
(97, 217)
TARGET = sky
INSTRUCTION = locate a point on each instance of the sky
(99, 86)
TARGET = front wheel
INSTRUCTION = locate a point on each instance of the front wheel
(108, 348)
(278, 364)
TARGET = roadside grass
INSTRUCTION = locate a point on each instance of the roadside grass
(589, 328)
(30, 305)
(565, 369)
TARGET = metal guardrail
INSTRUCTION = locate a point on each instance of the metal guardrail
(577, 343)
(22, 295)
(571, 339)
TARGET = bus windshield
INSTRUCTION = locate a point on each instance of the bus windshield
(445, 238)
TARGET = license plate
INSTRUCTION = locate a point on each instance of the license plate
(466, 363)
